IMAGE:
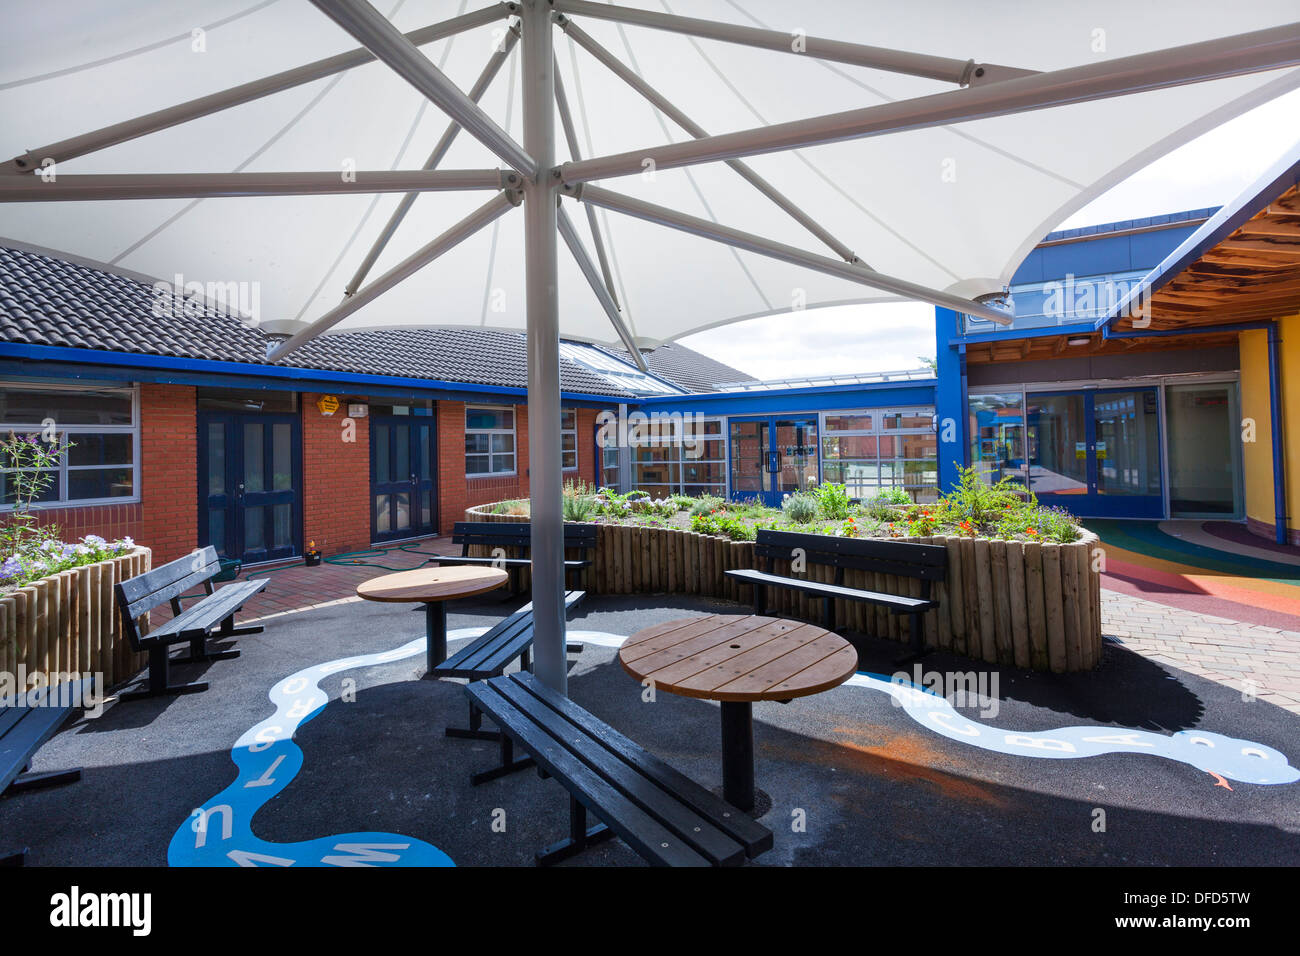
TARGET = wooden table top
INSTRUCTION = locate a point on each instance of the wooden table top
(432, 584)
(739, 658)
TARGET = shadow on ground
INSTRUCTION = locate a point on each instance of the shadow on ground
(853, 779)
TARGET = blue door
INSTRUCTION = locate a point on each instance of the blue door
(772, 457)
(1097, 452)
(250, 480)
(403, 476)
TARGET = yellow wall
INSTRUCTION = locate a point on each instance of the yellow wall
(1258, 455)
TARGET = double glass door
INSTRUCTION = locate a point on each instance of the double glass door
(250, 480)
(1096, 452)
(772, 457)
(403, 489)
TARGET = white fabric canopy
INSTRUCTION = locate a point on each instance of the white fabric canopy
(952, 208)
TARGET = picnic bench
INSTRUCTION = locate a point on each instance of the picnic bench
(490, 654)
(667, 818)
(924, 562)
(26, 722)
(514, 539)
(212, 618)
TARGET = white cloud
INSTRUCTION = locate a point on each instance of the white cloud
(1209, 171)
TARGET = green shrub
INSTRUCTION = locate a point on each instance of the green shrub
(705, 504)
(883, 505)
(832, 501)
(723, 525)
(578, 508)
(799, 507)
(683, 502)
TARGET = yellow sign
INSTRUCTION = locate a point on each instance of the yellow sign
(328, 404)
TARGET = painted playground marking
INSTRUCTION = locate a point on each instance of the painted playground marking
(1220, 756)
(219, 833)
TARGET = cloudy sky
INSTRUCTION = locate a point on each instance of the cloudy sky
(1208, 171)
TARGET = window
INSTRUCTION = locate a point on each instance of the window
(569, 439)
(687, 458)
(102, 426)
(489, 441)
(870, 449)
(997, 434)
(1065, 301)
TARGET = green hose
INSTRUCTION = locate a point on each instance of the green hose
(350, 559)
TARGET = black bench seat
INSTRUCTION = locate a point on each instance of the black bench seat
(491, 653)
(27, 721)
(212, 618)
(513, 539)
(926, 563)
(666, 817)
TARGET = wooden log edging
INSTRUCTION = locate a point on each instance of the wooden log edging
(68, 623)
(1025, 604)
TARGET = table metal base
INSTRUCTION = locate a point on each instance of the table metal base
(738, 754)
(435, 631)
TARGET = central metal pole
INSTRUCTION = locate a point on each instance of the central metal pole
(542, 302)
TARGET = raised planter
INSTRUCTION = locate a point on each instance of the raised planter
(68, 623)
(1028, 604)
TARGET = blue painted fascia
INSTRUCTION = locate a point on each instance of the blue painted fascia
(62, 362)
(801, 399)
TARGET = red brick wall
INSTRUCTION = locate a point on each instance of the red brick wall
(166, 517)
(335, 479)
(169, 519)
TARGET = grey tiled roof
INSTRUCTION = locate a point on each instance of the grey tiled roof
(50, 301)
(685, 367)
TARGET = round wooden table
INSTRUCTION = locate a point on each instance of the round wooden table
(431, 587)
(738, 659)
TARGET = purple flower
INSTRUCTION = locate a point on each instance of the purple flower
(11, 568)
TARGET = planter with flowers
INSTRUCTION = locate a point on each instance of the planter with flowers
(1022, 589)
(57, 610)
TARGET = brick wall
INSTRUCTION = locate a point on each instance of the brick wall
(335, 478)
(166, 517)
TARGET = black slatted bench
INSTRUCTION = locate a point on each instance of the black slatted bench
(489, 655)
(925, 562)
(515, 538)
(212, 618)
(26, 722)
(667, 818)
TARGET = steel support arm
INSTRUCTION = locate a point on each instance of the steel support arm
(665, 106)
(575, 151)
(489, 212)
(217, 185)
(373, 30)
(1270, 49)
(439, 151)
(71, 148)
(574, 242)
(880, 58)
(779, 250)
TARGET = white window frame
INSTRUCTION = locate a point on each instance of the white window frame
(514, 440)
(569, 431)
(679, 487)
(878, 431)
(67, 432)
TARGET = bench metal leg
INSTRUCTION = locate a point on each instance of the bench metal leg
(760, 599)
(509, 764)
(828, 613)
(159, 677)
(15, 859)
(580, 837)
(916, 647)
(38, 781)
(475, 729)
